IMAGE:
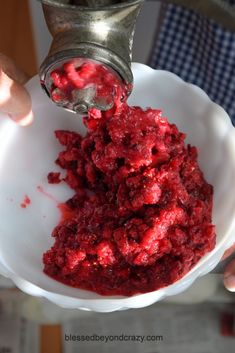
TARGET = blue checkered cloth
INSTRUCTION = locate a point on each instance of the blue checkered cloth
(199, 51)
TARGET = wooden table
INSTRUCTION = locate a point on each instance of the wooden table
(51, 339)
(16, 35)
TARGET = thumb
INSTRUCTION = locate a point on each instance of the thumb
(229, 276)
(15, 100)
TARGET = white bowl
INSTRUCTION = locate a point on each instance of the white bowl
(28, 154)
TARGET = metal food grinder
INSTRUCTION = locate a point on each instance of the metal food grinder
(101, 31)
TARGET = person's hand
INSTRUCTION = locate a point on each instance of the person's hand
(229, 273)
(14, 99)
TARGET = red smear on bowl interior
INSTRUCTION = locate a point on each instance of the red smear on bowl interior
(47, 194)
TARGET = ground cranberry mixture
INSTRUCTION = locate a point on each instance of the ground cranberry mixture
(26, 202)
(77, 75)
(140, 217)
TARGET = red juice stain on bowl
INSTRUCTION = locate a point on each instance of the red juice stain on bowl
(26, 202)
(47, 194)
(65, 211)
(140, 217)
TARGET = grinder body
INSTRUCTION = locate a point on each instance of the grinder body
(101, 31)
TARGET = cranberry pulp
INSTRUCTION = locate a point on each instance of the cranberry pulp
(140, 217)
(26, 202)
(81, 74)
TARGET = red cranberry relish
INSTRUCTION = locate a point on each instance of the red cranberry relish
(140, 218)
(78, 74)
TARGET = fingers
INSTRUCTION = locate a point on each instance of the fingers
(11, 70)
(229, 276)
(228, 252)
(229, 273)
(14, 99)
